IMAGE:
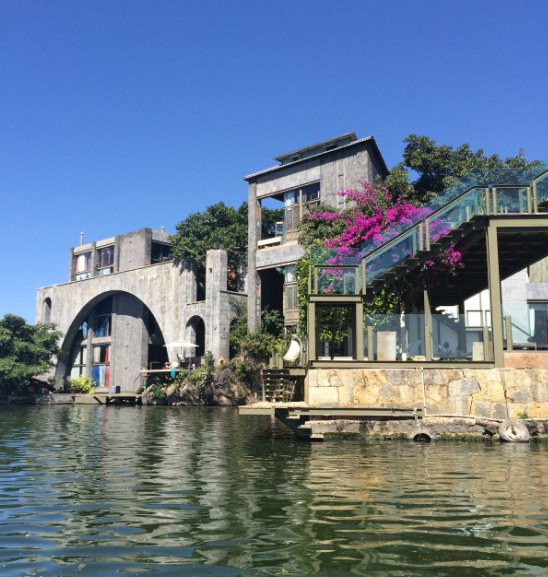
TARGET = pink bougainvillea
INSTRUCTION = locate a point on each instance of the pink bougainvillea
(375, 219)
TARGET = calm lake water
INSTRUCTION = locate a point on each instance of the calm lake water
(94, 491)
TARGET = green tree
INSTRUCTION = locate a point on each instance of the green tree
(440, 166)
(272, 325)
(219, 227)
(25, 352)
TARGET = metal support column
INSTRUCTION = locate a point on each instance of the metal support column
(462, 328)
(358, 311)
(311, 321)
(427, 326)
(495, 295)
(509, 336)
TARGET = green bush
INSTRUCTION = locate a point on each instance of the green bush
(258, 346)
(81, 385)
(199, 377)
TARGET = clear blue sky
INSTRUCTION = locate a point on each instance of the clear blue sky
(121, 114)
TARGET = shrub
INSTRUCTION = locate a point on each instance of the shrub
(81, 385)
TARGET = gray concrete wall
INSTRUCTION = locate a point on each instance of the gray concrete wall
(278, 255)
(134, 249)
(167, 290)
(343, 168)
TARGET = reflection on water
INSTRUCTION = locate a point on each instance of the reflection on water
(101, 491)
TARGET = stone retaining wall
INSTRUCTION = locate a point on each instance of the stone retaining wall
(490, 393)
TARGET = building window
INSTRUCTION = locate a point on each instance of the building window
(291, 296)
(105, 260)
(82, 266)
(538, 319)
(298, 203)
(78, 364)
(100, 371)
(160, 252)
(289, 273)
(103, 313)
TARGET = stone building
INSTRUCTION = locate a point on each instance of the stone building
(126, 298)
(302, 180)
(310, 176)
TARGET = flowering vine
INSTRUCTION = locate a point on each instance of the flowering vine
(375, 218)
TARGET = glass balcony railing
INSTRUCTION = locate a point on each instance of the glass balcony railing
(504, 191)
(500, 191)
(420, 337)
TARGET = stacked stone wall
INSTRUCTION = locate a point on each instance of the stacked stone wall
(490, 393)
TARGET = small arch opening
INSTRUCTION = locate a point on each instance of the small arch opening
(46, 310)
(197, 334)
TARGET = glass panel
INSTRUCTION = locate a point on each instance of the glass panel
(289, 273)
(529, 325)
(518, 317)
(456, 213)
(101, 353)
(102, 326)
(392, 254)
(404, 337)
(76, 372)
(511, 200)
(542, 189)
(105, 256)
(336, 280)
(98, 375)
(334, 335)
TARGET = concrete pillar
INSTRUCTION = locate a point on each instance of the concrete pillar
(217, 313)
(129, 338)
(116, 258)
(93, 261)
(253, 235)
(71, 265)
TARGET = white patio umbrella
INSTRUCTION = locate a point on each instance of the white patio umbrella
(180, 343)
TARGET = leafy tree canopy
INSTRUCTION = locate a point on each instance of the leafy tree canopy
(219, 227)
(25, 352)
(440, 166)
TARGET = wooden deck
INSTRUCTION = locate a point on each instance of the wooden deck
(298, 415)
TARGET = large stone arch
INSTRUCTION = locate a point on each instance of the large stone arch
(134, 339)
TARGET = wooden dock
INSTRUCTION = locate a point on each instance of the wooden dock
(109, 399)
(298, 416)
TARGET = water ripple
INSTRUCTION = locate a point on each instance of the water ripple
(106, 491)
